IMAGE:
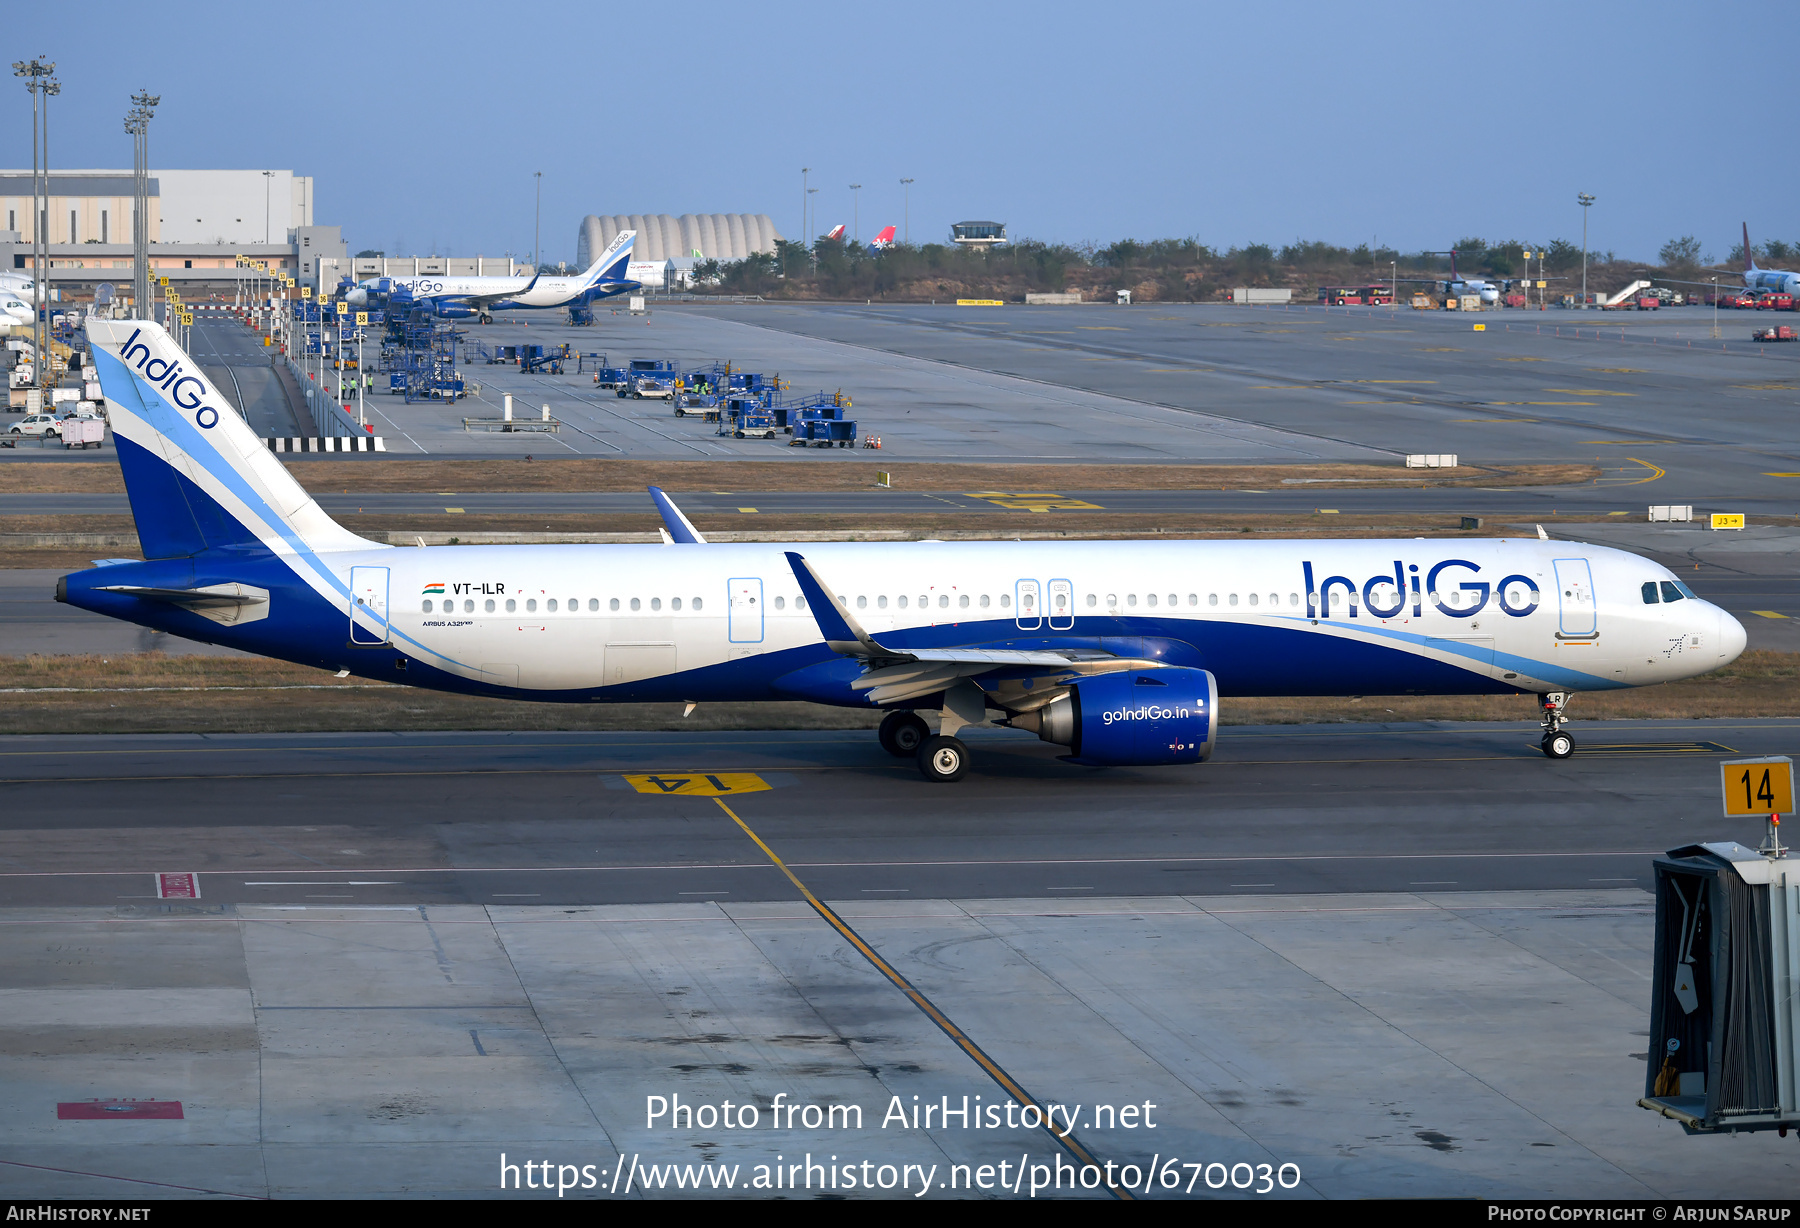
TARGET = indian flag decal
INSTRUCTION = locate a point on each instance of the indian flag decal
(434, 588)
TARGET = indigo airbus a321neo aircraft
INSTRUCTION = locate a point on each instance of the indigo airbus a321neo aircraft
(1119, 651)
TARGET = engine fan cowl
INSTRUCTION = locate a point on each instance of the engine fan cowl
(1135, 718)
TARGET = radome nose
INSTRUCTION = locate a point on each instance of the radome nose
(1731, 638)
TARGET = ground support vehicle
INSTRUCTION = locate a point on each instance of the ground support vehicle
(83, 432)
(1778, 332)
(643, 386)
(696, 404)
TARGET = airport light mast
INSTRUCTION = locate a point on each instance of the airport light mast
(137, 122)
(1587, 203)
(805, 192)
(856, 213)
(906, 215)
(40, 81)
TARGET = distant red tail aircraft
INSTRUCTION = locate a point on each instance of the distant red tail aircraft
(884, 239)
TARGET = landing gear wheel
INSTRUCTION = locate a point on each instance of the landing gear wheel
(942, 760)
(1558, 745)
(902, 733)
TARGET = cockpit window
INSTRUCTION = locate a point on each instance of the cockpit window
(1685, 590)
(1650, 597)
(1671, 591)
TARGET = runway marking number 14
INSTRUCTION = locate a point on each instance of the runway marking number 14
(705, 784)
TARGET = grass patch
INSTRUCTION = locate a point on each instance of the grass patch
(154, 693)
(348, 474)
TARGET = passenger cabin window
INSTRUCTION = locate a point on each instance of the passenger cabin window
(1650, 597)
(1092, 601)
(698, 605)
(1005, 600)
(1671, 591)
(550, 605)
(636, 604)
(985, 600)
(675, 603)
(781, 603)
(613, 604)
(428, 605)
(963, 601)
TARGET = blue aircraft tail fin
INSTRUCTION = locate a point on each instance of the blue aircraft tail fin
(197, 476)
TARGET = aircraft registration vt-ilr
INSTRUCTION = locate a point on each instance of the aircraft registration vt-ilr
(1119, 651)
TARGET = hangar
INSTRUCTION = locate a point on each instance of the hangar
(662, 236)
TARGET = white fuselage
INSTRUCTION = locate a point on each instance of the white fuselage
(579, 617)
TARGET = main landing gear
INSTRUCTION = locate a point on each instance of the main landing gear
(905, 735)
(902, 733)
(941, 757)
(1556, 743)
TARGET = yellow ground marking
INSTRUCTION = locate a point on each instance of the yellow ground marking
(1781, 475)
(1618, 513)
(1558, 403)
(1628, 443)
(1522, 360)
(697, 784)
(1328, 511)
(1632, 481)
(746, 509)
(1493, 419)
(455, 510)
(1618, 370)
(1773, 387)
(1592, 392)
(1768, 613)
(1047, 501)
(927, 1007)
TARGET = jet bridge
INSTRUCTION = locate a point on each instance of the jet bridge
(1725, 1001)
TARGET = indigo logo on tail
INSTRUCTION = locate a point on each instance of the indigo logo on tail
(167, 376)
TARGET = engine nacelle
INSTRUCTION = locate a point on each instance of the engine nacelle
(1136, 718)
(451, 311)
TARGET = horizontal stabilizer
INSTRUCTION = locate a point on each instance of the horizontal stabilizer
(229, 603)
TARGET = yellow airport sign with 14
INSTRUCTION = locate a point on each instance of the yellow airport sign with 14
(1756, 788)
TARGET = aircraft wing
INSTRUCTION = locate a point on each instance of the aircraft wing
(680, 528)
(896, 674)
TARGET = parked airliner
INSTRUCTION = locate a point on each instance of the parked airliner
(464, 298)
(1119, 651)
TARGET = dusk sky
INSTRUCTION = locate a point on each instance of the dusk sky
(1411, 123)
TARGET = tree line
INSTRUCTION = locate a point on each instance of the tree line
(1166, 270)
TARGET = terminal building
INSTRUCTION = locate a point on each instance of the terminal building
(199, 223)
(662, 236)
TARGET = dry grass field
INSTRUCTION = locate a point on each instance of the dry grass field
(154, 693)
(371, 476)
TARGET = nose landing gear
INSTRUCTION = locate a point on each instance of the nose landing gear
(1556, 744)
